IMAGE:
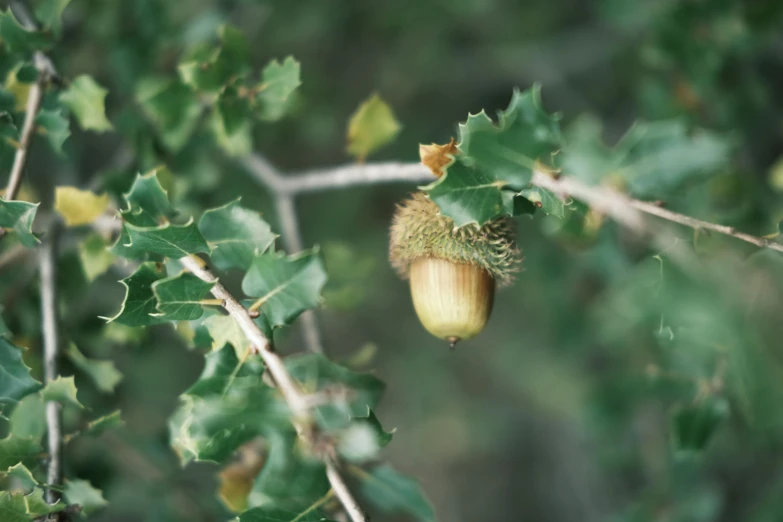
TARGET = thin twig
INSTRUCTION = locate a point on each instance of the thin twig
(51, 341)
(294, 398)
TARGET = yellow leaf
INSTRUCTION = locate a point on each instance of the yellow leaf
(79, 207)
(18, 89)
(435, 156)
(236, 479)
(371, 127)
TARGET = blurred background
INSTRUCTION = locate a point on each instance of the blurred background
(562, 409)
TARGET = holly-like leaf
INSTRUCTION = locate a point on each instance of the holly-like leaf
(95, 256)
(148, 201)
(279, 81)
(275, 514)
(524, 136)
(38, 507)
(234, 235)
(15, 379)
(86, 98)
(62, 390)
(211, 69)
(167, 240)
(84, 494)
(392, 492)
(17, 39)
(317, 373)
(652, 159)
(29, 417)
(372, 126)
(545, 200)
(13, 507)
(693, 426)
(103, 373)
(172, 107)
(467, 194)
(363, 438)
(140, 303)
(79, 207)
(23, 475)
(285, 286)
(224, 372)
(19, 216)
(179, 297)
(224, 330)
(14, 450)
(49, 13)
(53, 126)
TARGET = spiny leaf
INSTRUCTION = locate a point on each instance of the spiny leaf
(95, 256)
(652, 159)
(23, 475)
(435, 157)
(167, 240)
(372, 126)
(173, 109)
(103, 373)
(16, 507)
(19, 216)
(15, 379)
(279, 81)
(546, 200)
(467, 195)
(147, 200)
(54, 127)
(17, 39)
(223, 371)
(18, 449)
(212, 69)
(392, 492)
(234, 235)
(62, 390)
(86, 98)
(363, 438)
(38, 507)
(79, 207)
(508, 152)
(179, 297)
(139, 303)
(285, 286)
(84, 494)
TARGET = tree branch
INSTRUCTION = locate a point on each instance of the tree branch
(294, 398)
(51, 341)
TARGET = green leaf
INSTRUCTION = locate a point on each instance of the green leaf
(103, 424)
(545, 200)
(53, 126)
(19, 216)
(13, 507)
(391, 492)
(238, 144)
(224, 372)
(212, 69)
(363, 438)
(62, 390)
(83, 493)
(15, 379)
(14, 450)
(652, 159)
(37, 506)
(167, 240)
(79, 207)
(95, 256)
(140, 303)
(285, 285)
(172, 107)
(23, 475)
(693, 426)
(508, 152)
(224, 330)
(316, 372)
(17, 39)
(9, 134)
(179, 297)
(372, 126)
(279, 81)
(275, 514)
(233, 110)
(290, 479)
(86, 98)
(103, 373)
(49, 13)
(467, 195)
(29, 417)
(234, 235)
(148, 201)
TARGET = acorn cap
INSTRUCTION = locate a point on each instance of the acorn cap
(420, 231)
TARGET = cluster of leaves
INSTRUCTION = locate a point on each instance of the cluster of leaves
(230, 405)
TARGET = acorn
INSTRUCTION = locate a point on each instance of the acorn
(453, 271)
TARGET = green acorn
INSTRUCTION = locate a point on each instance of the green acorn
(453, 272)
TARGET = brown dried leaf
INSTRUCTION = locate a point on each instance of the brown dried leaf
(435, 156)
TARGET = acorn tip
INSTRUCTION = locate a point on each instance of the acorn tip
(452, 342)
